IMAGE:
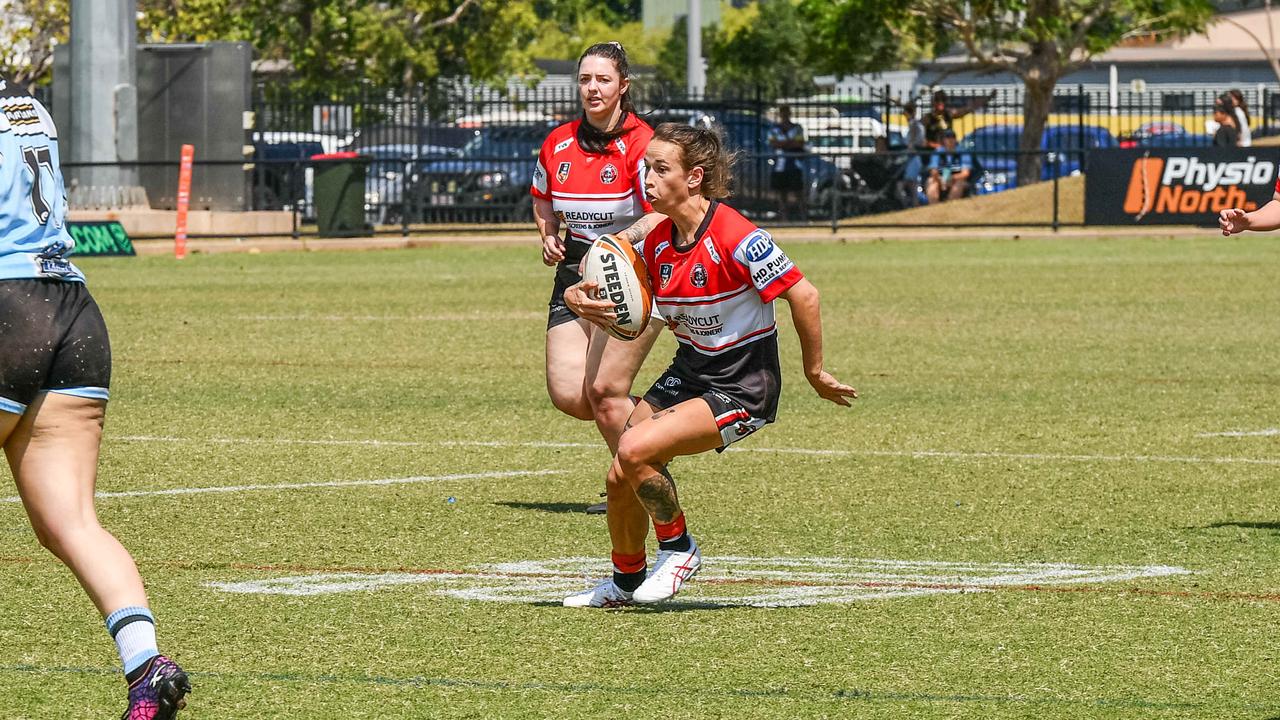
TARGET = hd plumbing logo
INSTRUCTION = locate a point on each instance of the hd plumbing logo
(723, 581)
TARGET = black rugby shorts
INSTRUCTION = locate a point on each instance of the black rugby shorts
(52, 339)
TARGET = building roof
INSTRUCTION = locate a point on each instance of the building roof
(1224, 41)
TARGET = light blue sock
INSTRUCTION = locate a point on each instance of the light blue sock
(134, 630)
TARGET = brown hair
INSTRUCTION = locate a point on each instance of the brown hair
(701, 147)
(590, 138)
(1237, 99)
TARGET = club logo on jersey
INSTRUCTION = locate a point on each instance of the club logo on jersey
(759, 245)
(562, 173)
(664, 272)
(562, 145)
(608, 174)
(711, 250)
(698, 276)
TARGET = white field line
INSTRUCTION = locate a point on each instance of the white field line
(311, 485)
(433, 317)
(915, 454)
(727, 581)
(1242, 433)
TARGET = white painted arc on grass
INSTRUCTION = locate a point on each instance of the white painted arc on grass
(731, 581)
(311, 485)
(1241, 433)
(915, 454)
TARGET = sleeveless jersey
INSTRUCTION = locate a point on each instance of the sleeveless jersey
(34, 241)
(592, 194)
(717, 297)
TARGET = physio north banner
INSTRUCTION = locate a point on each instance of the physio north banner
(106, 237)
(1176, 186)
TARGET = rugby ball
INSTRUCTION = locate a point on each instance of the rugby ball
(621, 275)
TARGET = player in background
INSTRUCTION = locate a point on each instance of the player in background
(588, 181)
(1264, 219)
(714, 276)
(55, 370)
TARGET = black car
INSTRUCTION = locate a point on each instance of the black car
(488, 181)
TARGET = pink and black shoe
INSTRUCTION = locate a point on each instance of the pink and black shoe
(158, 691)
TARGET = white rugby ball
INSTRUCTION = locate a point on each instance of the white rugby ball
(614, 265)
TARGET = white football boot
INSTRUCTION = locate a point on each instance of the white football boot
(668, 574)
(604, 595)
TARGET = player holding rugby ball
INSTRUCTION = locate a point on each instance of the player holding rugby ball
(714, 276)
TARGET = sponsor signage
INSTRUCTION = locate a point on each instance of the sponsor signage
(1172, 186)
(100, 238)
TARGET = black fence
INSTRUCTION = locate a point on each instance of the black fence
(458, 153)
(455, 153)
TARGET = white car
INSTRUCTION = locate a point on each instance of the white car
(839, 138)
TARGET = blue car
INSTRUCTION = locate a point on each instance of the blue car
(994, 149)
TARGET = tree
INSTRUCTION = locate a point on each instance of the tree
(29, 29)
(1038, 41)
(334, 44)
(772, 29)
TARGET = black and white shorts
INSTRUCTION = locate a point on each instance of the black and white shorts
(732, 417)
(54, 340)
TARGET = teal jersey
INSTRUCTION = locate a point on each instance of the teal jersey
(34, 242)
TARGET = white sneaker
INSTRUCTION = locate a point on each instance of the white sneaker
(604, 595)
(668, 574)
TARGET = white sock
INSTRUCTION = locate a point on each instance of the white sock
(134, 630)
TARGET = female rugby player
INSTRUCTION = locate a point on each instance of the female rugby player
(714, 276)
(588, 179)
(55, 368)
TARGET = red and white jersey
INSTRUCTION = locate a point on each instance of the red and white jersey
(594, 195)
(716, 293)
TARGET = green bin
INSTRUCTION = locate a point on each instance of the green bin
(339, 194)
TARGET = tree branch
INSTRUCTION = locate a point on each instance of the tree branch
(454, 17)
(1271, 57)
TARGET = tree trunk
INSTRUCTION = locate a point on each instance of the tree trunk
(1037, 104)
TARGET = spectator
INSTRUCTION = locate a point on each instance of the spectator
(1227, 134)
(918, 148)
(942, 118)
(788, 142)
(1242, 117)
(949, 171)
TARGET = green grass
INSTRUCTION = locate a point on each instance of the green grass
(1055, 395)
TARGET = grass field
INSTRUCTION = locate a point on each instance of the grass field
(1056, 498)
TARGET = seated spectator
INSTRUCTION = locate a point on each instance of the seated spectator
(948, 171)
(1227, 134)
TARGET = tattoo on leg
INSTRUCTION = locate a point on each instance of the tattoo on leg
(667, 474)
(658, 495)
(658, 415)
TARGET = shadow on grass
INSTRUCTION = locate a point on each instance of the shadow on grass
(551, 507)
(669, 606)
(1245, 525)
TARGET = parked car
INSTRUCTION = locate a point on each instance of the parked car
(1164, 134)
(748, 133)
(838, 140)
(488, 180)
(281, 173)
(391, 168)
(995, 152)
